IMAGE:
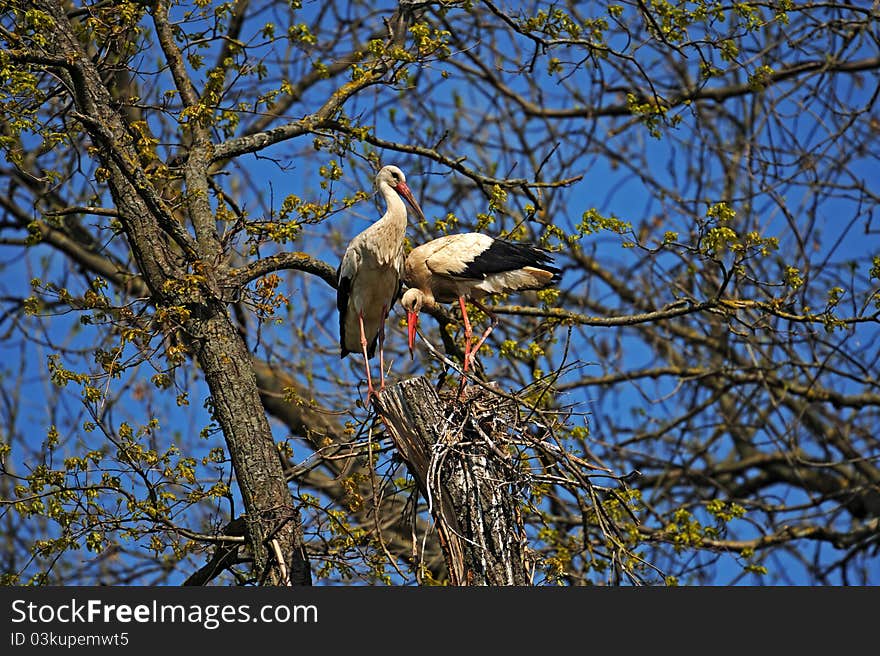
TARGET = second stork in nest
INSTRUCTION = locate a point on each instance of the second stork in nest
(471, 266)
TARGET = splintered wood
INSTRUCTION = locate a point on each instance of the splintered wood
(455, 451)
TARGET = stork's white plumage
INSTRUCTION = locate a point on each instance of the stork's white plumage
(369, 275)
(470, 266)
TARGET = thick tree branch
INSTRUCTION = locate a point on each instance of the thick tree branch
(296, 261)
(197, 161)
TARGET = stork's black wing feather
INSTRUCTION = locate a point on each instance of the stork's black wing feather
(343, 289)
(503, 255)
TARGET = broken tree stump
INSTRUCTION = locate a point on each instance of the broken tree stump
(455, 451)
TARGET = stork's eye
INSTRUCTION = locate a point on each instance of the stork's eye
(395, 176)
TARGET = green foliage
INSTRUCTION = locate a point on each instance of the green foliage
(874, 273)
(792, 278)
(651, 113)
(760, 78)
(302, 34)
(686, 531)
(593, 222)
(722, 237)
(429, 41)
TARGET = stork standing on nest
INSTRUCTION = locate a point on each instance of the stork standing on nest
(369, 275)
(470, 266)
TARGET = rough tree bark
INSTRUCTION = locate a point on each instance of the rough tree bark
(186, 274)
(456, 453)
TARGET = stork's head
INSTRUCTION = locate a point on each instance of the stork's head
(390, 175)
(412, 302)
(393, 177)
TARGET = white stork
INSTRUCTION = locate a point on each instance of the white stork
(470, 266)
(369, 275)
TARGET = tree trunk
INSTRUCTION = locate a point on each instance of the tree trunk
(270, 513)
(460, 465)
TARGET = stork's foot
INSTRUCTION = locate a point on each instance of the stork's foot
(373, 394)
(461, 385)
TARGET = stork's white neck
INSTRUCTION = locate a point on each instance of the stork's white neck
(385, 237)
(395, 213)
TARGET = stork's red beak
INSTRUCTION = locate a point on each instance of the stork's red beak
(412, 322)
(403, 189)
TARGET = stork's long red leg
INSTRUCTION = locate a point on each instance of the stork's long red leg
(468, 333)
(366, 357)
(494, 322)
(382, 348)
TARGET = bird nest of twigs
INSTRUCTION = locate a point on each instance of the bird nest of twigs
(479, 427)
